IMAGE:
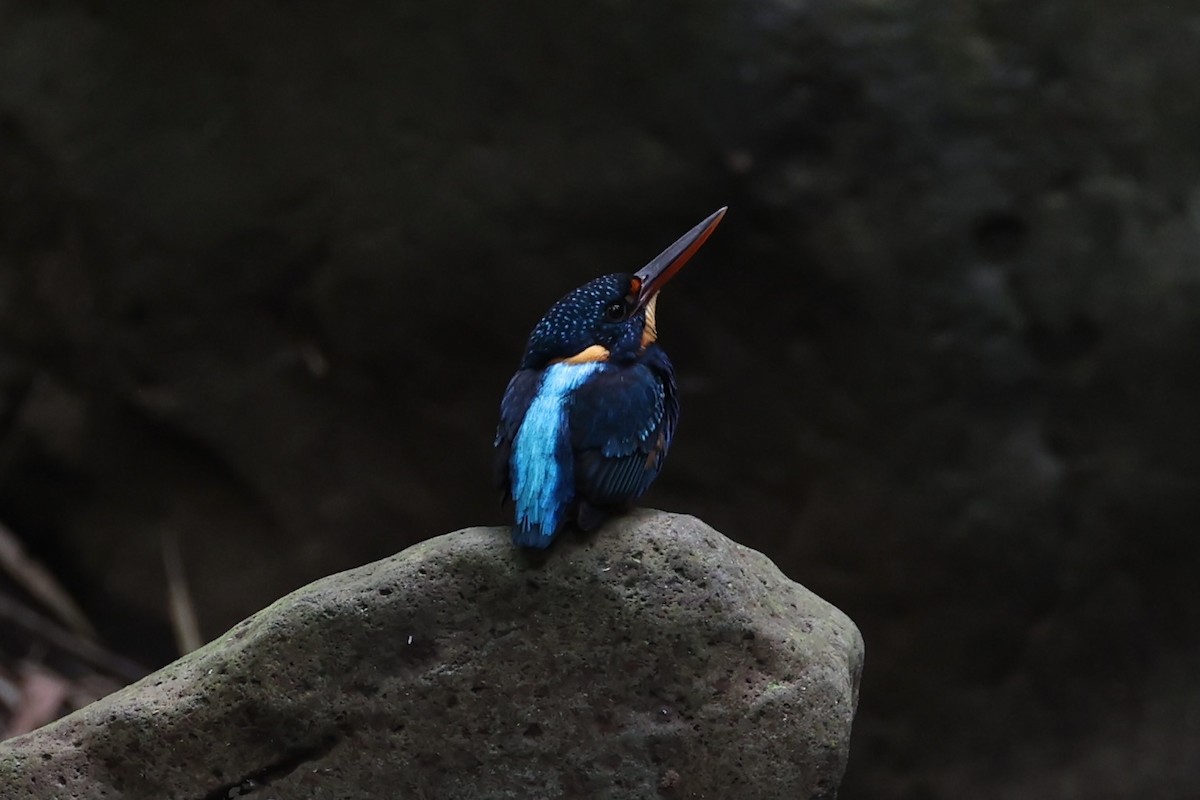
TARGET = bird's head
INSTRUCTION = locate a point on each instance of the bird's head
(611, 318)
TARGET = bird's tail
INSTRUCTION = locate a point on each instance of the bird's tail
(531, 536)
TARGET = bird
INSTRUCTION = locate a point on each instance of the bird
(587, 419)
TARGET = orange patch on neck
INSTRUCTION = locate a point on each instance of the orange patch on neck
(586, 356)
(650, 332)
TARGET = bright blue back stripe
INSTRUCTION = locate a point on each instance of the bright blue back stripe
(542, 473)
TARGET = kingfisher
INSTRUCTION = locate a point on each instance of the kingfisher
(586, 421)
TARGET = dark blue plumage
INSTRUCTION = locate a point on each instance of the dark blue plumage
(587, 420)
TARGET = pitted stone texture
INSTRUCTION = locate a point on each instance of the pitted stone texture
(656, 658)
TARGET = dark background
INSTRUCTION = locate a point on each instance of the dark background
(266, 266)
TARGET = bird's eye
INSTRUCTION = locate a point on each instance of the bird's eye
(615, 312)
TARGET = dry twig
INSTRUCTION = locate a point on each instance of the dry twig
(179, 598)
(37, 580)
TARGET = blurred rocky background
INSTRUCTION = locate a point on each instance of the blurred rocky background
(266, 266)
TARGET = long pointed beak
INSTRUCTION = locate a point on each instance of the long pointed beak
(655, 275)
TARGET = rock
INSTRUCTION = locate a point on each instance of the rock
(655, 658)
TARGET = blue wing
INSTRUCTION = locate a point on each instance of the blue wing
(621, 423)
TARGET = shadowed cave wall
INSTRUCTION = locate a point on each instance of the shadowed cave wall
(265, 268)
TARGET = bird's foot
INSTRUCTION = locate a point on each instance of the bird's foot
(590, 517)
